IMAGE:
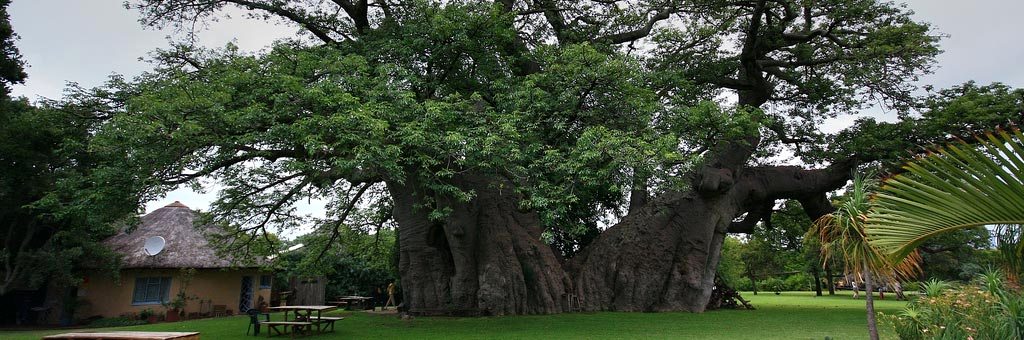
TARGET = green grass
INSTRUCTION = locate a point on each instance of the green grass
(792, 315)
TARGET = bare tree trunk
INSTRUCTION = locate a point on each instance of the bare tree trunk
(14, 270)
(870, 301)
(753, 282)
(828, 278)
(817, 281)
(661, 258)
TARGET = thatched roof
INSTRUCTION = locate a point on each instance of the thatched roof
(185, 246)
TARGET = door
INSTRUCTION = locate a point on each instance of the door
(245, 299)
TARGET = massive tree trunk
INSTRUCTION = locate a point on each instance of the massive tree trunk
(485, 258)
(663, 257)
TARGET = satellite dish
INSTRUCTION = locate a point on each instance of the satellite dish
(154, 245)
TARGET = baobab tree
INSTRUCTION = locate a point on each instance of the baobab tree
(490, 130)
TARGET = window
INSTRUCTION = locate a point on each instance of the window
(151, 290)
(264, 281)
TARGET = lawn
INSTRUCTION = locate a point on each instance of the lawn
(792, 315)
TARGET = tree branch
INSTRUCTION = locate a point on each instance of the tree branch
(764, 185)
(753, 30)
(796, 182)
(358, 12)
(341, 220)
(319, 32)
(270, 155)
(640, 33)
(281, 202)
(554, 18)
(732, 83)
(768, 63)
(757, 213)
(780, 131)
(779, 73)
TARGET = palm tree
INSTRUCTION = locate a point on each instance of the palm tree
(842, 236)
(959, 186)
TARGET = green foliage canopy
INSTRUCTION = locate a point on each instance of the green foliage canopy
(552, 96)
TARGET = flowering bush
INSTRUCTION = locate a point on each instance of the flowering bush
(987, 309)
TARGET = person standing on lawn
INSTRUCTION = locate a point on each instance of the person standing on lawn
(391, 295)
(898, 288)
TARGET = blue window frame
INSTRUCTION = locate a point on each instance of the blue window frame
(265, 281)
(151, 290)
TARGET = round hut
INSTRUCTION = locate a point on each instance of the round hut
(168, 261)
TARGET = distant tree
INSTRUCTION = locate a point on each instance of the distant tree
(12, 67)
(361, 261)
(941, 117)
(792, 224)
(53, 206)
(778, 248)
(732, 268)
(959, 255)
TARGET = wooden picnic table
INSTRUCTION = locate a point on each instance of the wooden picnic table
(303, 311)
(349, 301)
(127, 335)
(303, 321)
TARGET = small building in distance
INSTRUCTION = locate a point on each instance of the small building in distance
(150, 278)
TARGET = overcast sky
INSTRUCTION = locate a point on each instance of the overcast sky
(85, 41)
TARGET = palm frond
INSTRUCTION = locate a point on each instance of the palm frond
(959, 186)
(842, 235)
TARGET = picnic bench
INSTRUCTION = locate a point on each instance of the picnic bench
(326, 321)
(127, 335)
(349, 301)
(296, 327)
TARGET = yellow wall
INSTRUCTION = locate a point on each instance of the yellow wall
(109, 298)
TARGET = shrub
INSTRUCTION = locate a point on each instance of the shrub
(145, 314)
(120, 321)
(986, 309)
(934, 287)
(772, 284)
(743, 285)
(912, 286)
(798, 281)
(970, 270)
